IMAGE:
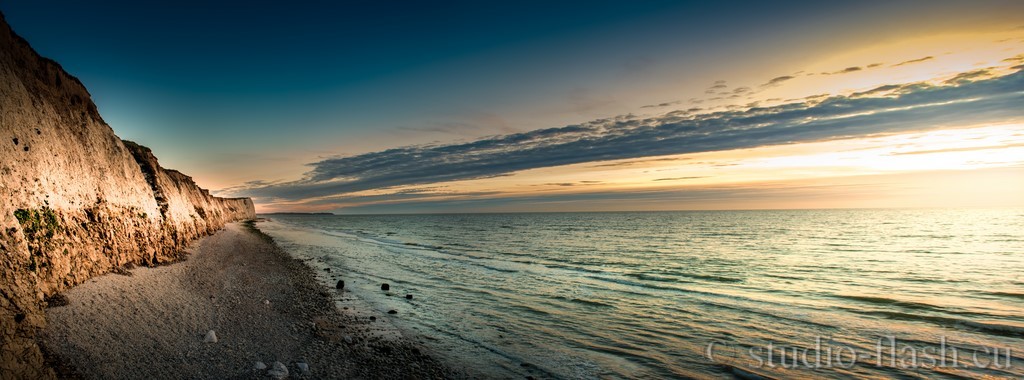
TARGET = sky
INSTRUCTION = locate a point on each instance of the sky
(388, 107)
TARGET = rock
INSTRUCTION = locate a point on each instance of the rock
(341, 284)
(327, 269)
(303, 367)
(408, 296)
(372, 318)
(266, 302)
(385, 286)
(211, 337)
(278, 371)
(348, 339)
(392, 312)
(259, 366)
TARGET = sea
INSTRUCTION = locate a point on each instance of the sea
(863, 293)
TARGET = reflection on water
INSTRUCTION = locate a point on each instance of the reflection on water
(627, 295)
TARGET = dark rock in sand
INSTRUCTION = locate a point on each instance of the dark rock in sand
(385, 286)
(392, 312)
(56, 300)
(408, 296)
(327, 269)
(372, 318)
(341, 284)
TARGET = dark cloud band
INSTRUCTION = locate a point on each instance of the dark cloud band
(907, 107)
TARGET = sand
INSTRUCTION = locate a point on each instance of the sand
(262, 305)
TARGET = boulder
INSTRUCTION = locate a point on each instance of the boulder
(211, 337)
(278, 371)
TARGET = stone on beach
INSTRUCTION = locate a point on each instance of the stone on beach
(408, 296)
(278, 371)
(341, 284)
(303, 367)
(259, 366)
(392, 312)
(385, 286)
(211, 337)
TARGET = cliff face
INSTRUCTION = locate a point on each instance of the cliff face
(76, 201)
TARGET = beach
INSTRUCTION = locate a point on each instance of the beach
(262, 305)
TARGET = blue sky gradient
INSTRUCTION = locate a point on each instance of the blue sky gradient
(290, 102)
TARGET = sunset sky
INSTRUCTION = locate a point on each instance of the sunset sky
(380, 107)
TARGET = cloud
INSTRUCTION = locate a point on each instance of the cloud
(777, 80)
(676, 178)
(666, 104)
(715, 88)
(969, 76)
(964, 149)
(913, 106)
(922, 59)
(847, 70)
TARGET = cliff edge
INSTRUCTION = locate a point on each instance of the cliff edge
(76, 201)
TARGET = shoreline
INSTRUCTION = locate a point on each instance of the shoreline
(263, 304)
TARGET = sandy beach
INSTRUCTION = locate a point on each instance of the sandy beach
(262, 305)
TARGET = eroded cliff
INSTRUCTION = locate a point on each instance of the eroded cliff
(76, 201)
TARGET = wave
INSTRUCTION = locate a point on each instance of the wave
(892, 302)
(656, 278)
(1007, 294)
(996, 327)
(992, 327)
(589, 302)
(634, 283)
(896, 315)
(744, 373)
(714, 278)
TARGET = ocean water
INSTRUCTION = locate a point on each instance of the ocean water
(718, 294)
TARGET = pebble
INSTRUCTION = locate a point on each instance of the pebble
(303, 367)
(341, 284)
(408, 296)
(279, 371)
(259, 366)
(348, 339)
(211, 337)
(266, 302)
(385, 286)
(392, 312)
